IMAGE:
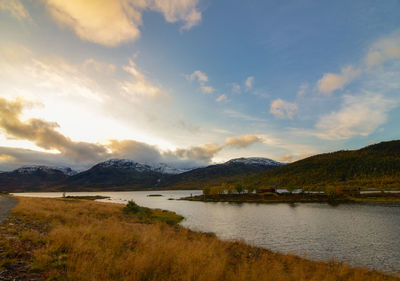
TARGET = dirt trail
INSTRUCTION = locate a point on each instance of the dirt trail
(6, 204)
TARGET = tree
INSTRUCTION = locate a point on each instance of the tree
(331, 191)
(239, 188)
(206, 190)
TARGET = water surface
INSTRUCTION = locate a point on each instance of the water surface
(359, 234)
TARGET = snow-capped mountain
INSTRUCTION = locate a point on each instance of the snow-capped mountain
(125, 174)
(218, 173)
(46, 169)
(162, 168)
(121, 174)
(34, 178)
(255, 161)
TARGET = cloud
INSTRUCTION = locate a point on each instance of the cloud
(202, 78)
(249, 83)
(283, 109)
(302, 90)
(183, 10)
(236, 89)
(358, 116)
(43, 134)
(101, 67)
(380, 52)
(108, 23)
(207, 89)
(289, 158)
(12, 158)
(222, 98)
(198, 75)
(243, 141)
(239, 115)
(139, 87)
(202, 154)
(331, 82)
(383, 50)
(63, 150)
(16, 8)
(111, 23)
(130, 149)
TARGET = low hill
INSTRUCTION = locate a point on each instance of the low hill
(375, 166)
(230, 171)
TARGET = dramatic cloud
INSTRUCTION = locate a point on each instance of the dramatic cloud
(130, 149)
(62, 149)
(283, 109)
(249, 83)
(358, 116)
(202, 153)
(12, 158)
(111, 23)
(331, 82)
(16, 9)
(243, 141)
(222, 98)
(43, 134)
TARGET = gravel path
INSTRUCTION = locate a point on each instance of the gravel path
(6, 204)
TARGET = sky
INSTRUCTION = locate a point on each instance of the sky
(194, 82)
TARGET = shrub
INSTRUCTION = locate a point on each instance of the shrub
(133, 208)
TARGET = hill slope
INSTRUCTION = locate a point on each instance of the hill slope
(33, 178)
(375, 166)
(117, 174)
(230, 171)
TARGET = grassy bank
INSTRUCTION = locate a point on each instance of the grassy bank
(297, 198)
(56, 239)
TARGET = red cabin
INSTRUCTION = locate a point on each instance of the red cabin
(267, 190)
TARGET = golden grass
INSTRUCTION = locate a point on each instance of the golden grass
(83, 240)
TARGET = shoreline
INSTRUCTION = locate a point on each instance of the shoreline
(297, 198)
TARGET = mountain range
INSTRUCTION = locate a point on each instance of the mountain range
(124, 174)
(374, 166)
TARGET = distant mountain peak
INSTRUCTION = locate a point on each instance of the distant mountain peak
(162, 168)
(29, 169)
(255, 161)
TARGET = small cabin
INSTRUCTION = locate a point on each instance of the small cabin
(266, 190)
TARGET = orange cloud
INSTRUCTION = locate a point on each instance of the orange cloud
(111, 23)
(242, 141)
(331, 82)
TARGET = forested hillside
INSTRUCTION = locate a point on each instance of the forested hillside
(375, 166)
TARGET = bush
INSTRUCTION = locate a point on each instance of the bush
(132, 207)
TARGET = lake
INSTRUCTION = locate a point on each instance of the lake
(364, 235)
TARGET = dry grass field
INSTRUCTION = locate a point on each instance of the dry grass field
(55, 239)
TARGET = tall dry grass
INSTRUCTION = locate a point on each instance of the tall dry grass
(81, 240)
